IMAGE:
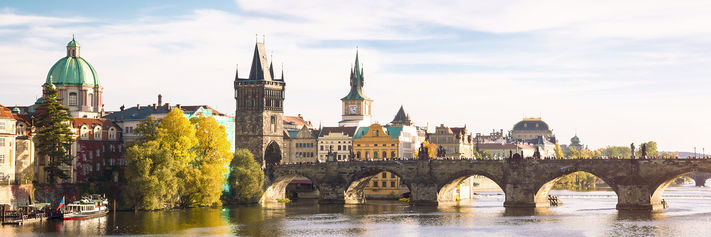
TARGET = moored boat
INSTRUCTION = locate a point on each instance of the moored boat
(88, 207)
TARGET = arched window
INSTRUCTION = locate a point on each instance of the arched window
(273, 123)
(385, 154)
(358, 155)
(73, 99)
(375, 155)
(112, 134)
(21, 129)
(97, 133)
(392, 154)
(84, 132)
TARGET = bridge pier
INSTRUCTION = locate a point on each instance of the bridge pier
(331, 193)
(525, 196)
(700, 181)
(423, 194)
(638, 198)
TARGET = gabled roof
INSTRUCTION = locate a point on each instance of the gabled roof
(348, 131)
(136, 113)
(6, 112)
(298, 121)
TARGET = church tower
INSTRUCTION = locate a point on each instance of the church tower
(356, 109)
(260, 108)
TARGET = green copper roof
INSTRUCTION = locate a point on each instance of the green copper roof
(356, 92)
(73, 43)
(73, 71)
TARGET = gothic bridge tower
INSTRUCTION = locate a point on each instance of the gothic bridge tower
(356, 109)
(260, 108)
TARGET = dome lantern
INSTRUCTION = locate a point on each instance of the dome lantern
(73, 48)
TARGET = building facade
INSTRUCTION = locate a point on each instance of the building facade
(260, 109)
(7, 146)
(506, 150)
(408, 137)
(376, 142)
(301, 146)
(99, 150)
(336, 139)
(455, 140)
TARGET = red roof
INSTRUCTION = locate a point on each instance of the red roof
(91, 122)
(6, 112)
(296, 120)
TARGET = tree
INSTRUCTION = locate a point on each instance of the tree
(651, 149)
(205, 174)
(54, 135)
(558, 151)
(616, 151)
(246, 179)
(155, 163)
(431, 149)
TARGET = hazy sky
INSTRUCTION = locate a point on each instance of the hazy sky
(614, 71)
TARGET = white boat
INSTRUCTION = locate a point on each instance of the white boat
(88, 207)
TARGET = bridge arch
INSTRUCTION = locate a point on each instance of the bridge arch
(445, 191)
(662, 183)
(541, 196)
(358, 182)
(276, 189)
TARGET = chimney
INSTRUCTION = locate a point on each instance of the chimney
(122, 107)
(138, 106)
(155, 107)
(167, 106)
(160, 99)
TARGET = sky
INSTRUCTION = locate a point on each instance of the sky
(612, 72)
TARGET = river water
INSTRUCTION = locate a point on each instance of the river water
(583, 214)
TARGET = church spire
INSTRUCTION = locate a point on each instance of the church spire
(73, 48)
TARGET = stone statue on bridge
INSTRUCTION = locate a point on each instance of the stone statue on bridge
(423, 152)
(644, 151)
(441, 152)
(632, 150)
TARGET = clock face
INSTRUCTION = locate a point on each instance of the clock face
(352, 109)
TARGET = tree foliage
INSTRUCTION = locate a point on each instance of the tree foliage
(431, 149)
(54, 135)
(246, 178)
(205, 175)
(616, 151)
(177, 162)
(558, 151)
(651, 149)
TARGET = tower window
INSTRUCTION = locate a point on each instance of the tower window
(73, 99)
(91, 99)
(273, 123)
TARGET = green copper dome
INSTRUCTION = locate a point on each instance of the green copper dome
(72, 69)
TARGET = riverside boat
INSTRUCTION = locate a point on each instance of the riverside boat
(88, 207)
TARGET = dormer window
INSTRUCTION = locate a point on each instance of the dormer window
(84, 132)
(97, 133)
(112, 133)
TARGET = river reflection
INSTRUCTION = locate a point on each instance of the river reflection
(583, 214)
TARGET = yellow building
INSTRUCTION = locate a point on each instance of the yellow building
(376, 142)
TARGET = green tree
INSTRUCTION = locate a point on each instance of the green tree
(558, 151)
(651, 149)
(54, 135)
(616, 151)
(205, 174)
(155, 163)
(246, 179)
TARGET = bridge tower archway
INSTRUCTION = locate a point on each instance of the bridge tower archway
(377, 183)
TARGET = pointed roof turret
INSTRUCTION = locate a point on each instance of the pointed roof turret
(401, 118)
(260, 64)
(271, 69)
(356, 92)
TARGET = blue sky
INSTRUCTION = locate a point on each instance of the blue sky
(614, 72)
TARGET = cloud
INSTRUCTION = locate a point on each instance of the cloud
(609, 70)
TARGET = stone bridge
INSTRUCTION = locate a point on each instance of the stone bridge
(638, 183)
(699, 178)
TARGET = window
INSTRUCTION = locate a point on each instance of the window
(2, 141)
(91, 99)
(84, 132)
(73, 99)
(375, 155)
(112, 133)
(385, 175)
(21, 130)
(392, 154)
(2, 126)
(273, 123)
(392, 175)
(385, 154)
(385, 184)
(375, 184)
(392, 184)
(322, 147)
(2, 159)
(358, 155)
(97, 133)
(377, 133)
